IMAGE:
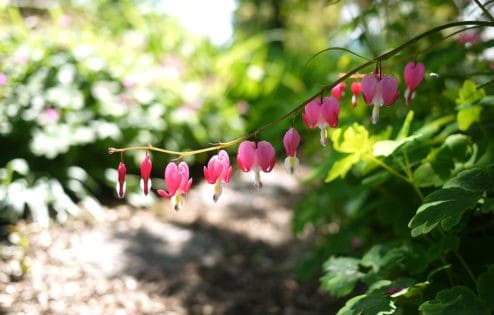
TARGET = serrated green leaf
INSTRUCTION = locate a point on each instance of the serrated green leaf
(341, 275)
(352, 139)
(475, 179)
(458, 300)
(445, 207)
(375, 303)
(469, 94)
(342, 166)
(485, 287)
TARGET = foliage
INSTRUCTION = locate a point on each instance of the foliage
(74, 87)
(405, 214)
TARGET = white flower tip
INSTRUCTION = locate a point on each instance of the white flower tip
(217, 191)
(291, 164)
(324, 137)
(375, 114)
(177, 201)
(258, 181)
(117, 189)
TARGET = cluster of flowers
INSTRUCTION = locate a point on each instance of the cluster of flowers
(377, 90)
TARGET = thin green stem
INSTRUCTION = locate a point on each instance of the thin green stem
(322, 91)
(465, 266)
(408, 171)
(387, 167)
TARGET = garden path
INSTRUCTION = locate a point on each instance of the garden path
(234, 257)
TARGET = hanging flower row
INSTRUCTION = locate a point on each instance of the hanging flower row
(377, 90)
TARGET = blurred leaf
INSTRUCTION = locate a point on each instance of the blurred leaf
(468, 116)
(341, 167)
(445, 207)
(458, 300)
(485, 287)
(340, 275)
(469, 94)
(352, 139)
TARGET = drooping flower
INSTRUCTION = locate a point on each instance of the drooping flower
(414, 73)
(338, 91)
(291, 141)
(146, 167)
(356, 88)
(177, 182)
(3, 79)
(322, 113)
(218, 171)
(256, 156)
(121, 185)
(379, 91)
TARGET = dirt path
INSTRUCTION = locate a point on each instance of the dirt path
(234, 257)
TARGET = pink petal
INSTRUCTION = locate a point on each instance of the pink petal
(291, 141)
(312, 113)
(246, 156)
(389, 89)
(330, 111)
(414, 73)
(369, 86)
(173, 178)
(266, 156)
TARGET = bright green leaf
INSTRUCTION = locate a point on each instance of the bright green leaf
(468, 116)
(469, 93)
(341, 275)
(458, 300)
(354, 138)
(445, 207)
(341, 167)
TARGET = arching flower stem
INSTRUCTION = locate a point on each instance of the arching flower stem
(322, 91)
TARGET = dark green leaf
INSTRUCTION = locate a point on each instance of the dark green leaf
(376, 303)
(476, 180)
(445, 207)
(457, 300)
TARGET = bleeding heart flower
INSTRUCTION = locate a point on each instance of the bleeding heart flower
(177, 182)
(218, 171)
(146, 167)
(121, 185)
(256, 156)
(414, 73)
(379, 91)
(338, 91)
(291, 141)
(356, 88)
(322, 113)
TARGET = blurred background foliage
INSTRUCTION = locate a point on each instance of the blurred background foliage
(81, 76)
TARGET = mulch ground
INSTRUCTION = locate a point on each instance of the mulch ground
(235, 257)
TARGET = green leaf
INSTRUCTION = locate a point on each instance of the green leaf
(354, 138)
(425, 176)
(468, 116)
(342, 166)
(469, 93)
(475, 179)
(341, 275)
(458, 300)
(445, 207)
(485, 287)
(375, 303)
